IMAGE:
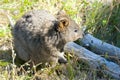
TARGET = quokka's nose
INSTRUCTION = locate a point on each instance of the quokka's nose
(83, 34)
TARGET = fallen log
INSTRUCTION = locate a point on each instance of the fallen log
(94, 60)
(100, 47)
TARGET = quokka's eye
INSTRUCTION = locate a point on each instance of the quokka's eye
(75, 30)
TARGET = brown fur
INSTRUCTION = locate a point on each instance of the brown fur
(41, 37)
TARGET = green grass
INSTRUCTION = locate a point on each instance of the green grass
(101, 21)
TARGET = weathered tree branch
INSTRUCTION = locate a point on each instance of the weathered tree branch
(94, 60)
(100, 47)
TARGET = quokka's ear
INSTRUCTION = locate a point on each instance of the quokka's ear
(61, 13)
(63, 24)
